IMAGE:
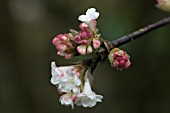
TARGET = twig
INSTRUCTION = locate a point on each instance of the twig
(130, 37)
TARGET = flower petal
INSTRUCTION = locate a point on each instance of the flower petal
(90, 11)
(77, 81)
(87, 88)
(55, 80)
(82, 18)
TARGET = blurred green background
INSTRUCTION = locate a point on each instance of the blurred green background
(27, 28)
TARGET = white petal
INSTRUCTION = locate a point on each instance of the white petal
(90, 11)
(87, 88)
(88, 75)
(66, 87)
(99, 97)
(77, 81)
(65, 69)
(95, 15)
(66, 79)
(66, 100)
(53, 65)
(86, 102)
(55, 80)
(92, 103)
(55, 72)
(76, 90)
(78, 102)
(82, 18)
(92, 96)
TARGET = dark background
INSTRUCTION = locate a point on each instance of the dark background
(27, 28)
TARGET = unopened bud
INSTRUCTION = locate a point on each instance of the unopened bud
(85, 42)
(82, 49)
(119, 59)
(83, 25)
(96, 43)
(89, 49)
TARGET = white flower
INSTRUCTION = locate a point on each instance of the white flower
(66, 77)
(67, 100)
(91, 15)
(88, 98)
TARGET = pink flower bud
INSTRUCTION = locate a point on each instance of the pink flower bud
(89, 49)
(82, 49)
(55, 41)
(69, 45)
(77, 39)
(84, 42)
(83, 25)
(119, 59)
(83, 34)
(96, 43)
(68, 56)
(64, 37)
(89, 34)
(61, 47)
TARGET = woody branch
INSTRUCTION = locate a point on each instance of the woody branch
(136, 34)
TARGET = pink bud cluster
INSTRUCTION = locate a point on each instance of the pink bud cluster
(83, 42)
(64, 45)
(119, 59)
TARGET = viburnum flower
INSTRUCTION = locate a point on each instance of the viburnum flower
(164, 5)
(67, 77)
(88, 98)
(119, 59)
(74, 82)
(69, 81)
(64, 45)
(89, 18)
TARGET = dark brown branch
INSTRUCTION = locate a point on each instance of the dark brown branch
(130, 37)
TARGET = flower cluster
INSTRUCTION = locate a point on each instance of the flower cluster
(69, 81)
(84, 41)
(74, 82)
(119, 59)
